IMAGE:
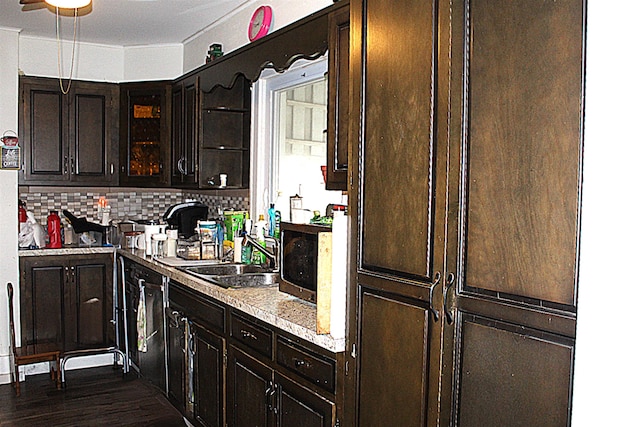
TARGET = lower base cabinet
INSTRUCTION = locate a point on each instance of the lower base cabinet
(176, 360)
(208, 377)
(227, 368)
(196, 354)
(260, 396)
(66, 302)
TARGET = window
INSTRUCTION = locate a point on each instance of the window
(289, 143)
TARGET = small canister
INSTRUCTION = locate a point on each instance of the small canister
(172, 242)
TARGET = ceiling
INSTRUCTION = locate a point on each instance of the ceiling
(121, 22)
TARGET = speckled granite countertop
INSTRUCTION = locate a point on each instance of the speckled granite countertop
(268, 304)
(67, 251)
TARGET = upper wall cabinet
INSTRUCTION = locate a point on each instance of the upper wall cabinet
(185, 110)
(68, 139)
(226, 128)
(145, 144)
(223, 106)
(338, 105)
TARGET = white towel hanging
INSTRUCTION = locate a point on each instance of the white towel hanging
(141, 321)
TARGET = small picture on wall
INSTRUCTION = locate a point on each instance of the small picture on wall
(10, 157)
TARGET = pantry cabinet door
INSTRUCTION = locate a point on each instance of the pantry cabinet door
(398, 209)
(514, 213)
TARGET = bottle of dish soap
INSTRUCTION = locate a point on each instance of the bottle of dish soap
(274, 222)
(261, 229)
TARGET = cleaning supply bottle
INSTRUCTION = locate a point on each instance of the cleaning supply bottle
(276, 231)
(246, 255)
(274, 221)
(261, 229)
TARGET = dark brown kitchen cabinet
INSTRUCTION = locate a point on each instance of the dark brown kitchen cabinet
(468, 131)
(176, 361)
(68, 139)
(226, 135)
(338, 105)
(196, 351)
(250, 391)
(260, 396)
(145, 135)
(298, 390)
(208, 379)
(67, 301)
(185, 111)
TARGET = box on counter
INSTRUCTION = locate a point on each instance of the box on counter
(233, 223)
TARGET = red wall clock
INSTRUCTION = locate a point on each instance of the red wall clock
(260, 23)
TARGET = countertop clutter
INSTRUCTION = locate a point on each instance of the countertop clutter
(268, 304)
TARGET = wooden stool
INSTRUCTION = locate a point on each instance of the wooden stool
(21, 356)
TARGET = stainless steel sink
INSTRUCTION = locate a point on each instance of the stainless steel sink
(223, 269)
(246, 280)
(234, 275)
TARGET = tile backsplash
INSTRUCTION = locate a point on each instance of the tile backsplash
(125, 203)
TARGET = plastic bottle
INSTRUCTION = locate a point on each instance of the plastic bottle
(261, 227)
(274, 222)
(272, 219)
(276, 232)
(246, 255)
(22, 215)
(53, 228)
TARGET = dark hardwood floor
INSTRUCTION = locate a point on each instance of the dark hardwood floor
(93, 397)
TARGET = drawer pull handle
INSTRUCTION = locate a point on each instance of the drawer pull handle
(299, 363)
(247, 334)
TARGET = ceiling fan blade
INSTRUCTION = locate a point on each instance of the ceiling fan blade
(34, 6)
(31, 1)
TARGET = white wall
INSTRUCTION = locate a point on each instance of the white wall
(607, 375)
(39, 57)
(96, 62)
(231, 31)
(159, 62)
(8, 191)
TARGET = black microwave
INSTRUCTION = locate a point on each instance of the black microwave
(305, 259)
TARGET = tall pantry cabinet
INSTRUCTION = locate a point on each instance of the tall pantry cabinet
(466, 124)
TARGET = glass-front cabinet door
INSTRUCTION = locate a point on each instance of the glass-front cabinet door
(145, 134)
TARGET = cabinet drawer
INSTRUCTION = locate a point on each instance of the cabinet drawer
(196, 307)
(315, 368)
(252, 335)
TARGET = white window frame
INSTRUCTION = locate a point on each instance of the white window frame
(263, 134)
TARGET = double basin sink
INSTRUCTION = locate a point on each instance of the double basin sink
(234, 275)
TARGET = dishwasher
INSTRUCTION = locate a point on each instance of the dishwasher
(144, 332)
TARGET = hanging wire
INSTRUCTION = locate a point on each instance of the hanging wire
(73, 49)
